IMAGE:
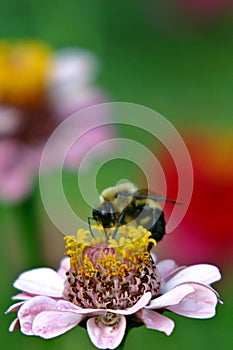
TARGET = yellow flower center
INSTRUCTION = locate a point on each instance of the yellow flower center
(110, 268)
(90, 252)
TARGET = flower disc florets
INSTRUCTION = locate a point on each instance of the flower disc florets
(107, 272)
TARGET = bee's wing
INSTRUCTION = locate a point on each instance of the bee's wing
(144, 194)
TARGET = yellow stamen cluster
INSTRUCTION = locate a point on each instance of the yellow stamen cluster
(74, 249)
(116, 256)
(88, 269)
(23, 70)
(113, 266)
(132, 240)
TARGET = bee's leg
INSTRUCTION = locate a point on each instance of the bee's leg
(119, 222)
(89, 223)
(106, 234)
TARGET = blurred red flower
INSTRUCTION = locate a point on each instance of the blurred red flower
(205, 7)
(206, 232)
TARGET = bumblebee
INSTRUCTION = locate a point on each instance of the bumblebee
(124, 204)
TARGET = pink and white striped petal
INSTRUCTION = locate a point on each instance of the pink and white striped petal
(156, 321)
(202, 273)
(31, 308)
(106, 337)
(199, 304)
(42, 281)
(50, 324)
(173, 297)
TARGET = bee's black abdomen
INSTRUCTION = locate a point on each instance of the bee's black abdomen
(158, 229)
(149, 217)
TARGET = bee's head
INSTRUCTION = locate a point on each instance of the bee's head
(105, 214)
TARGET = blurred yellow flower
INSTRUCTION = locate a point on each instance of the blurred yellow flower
(23, 70)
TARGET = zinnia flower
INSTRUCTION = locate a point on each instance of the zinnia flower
(107, 285)
(39, 88)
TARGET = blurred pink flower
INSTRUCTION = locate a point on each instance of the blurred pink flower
(94, 289)
(45, 88)
(71, 81)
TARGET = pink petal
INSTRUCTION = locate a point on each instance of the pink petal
(155, 321)
(173, 297)
(64, 267)
(31, 309)
(23, 296)
(42, 281)
(132, 310)
(199, 304)
(165, 267)
(50, 324)
(174, 272)
(14, 307)
(106, 337)
(202, 273)
(14, 325)
(63, 305)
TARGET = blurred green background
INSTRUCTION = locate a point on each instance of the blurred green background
(176, 62)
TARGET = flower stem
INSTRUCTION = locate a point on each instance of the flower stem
(29, 232)
(121, 346)
(130, 325)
